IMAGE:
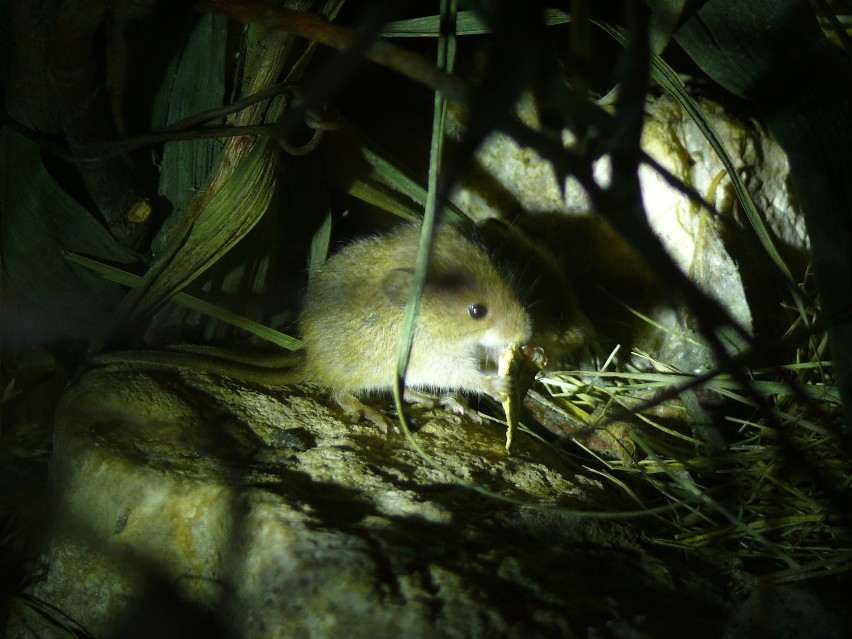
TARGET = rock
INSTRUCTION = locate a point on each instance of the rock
(508, 178)
(190, 505)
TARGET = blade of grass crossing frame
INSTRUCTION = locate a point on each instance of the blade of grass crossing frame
(189, 301)
(446, 55)
(319, 246)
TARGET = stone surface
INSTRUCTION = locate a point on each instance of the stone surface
(194, 506)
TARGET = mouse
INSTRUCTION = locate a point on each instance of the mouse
(352, 317)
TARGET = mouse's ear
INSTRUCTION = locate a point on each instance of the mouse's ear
(397, 285)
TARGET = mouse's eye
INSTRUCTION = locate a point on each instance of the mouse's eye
(477, 311)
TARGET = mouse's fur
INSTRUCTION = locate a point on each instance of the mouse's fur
(352, 320)
(353, 313)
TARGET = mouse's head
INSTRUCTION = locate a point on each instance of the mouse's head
(466, 303)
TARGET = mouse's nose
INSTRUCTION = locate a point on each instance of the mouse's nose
(514, 327)
(519, 325)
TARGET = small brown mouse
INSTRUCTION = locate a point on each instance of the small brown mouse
(352, 320)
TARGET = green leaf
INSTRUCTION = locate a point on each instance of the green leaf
(359, 167)
(665, 15)
(237, 194)
(193, 303)
(39, 221)
(224, 219)
(468, 24)
(196, 84)
(319, 246)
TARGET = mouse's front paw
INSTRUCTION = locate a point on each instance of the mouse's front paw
(457, 404)
(452, 402)
(357, 410)
(497, 386)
